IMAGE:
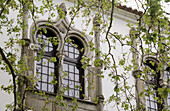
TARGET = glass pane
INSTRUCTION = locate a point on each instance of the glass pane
(38, 68)
(38, 85)
(71, 49)
(50, 49)
(66, 92)
(71, 84)
(66, 53)
(65, 67)
(51, 71)
(71, 68)
(50, 44)
(77, 93)
(76, 77)
(152, 104)
(71, 55)
(71, 76)
(77, 51)
(50, 78)
(50, 88)
(44, 70)
(77, 86)
(71, 92)
(51, 64)
(76, 55)
(38, 76)
(46, 48)
(44, 86)
(44, 78)
(76, 70)
(65, 82)
(43, 36)
(65, 75)
(38, 62)
(66, 47)
(45, 62)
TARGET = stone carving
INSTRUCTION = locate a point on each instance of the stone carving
(61, 28)
(62, 7)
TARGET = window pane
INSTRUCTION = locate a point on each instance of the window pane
(77, 93)
(71, 49)
(46, 48)
(76, 55)
(76, 70)
(45, 62)
(71, 92)
(51, 64)
(38, 62)
(38, 85)
(71, 68)
(50, 88)
(71, 55)
(77, 51)
(38, 69)
(51, 72)
(65, 47)
(65, 82)
(77, 78)
(44, 78)
(50, 78)
(44, 86)
(71, 76)
(65, 67)
(66, 92)
(44, 70)
(71, 84)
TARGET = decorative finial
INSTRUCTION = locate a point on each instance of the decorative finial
(62, 9)
(95, 22)
(132, 32)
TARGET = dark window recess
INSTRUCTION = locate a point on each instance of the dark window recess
(47, 71)
(167, 73)
(73, 79)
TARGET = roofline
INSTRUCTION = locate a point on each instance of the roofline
(129, 9)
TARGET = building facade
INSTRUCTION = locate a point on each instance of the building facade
(57, 55)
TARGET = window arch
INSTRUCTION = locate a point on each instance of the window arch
(47, 62)
(74, 77)
(152, 84)
(48, 71)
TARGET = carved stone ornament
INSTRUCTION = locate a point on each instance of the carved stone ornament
(95, 22)
(63, 7)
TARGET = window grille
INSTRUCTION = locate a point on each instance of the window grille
(46, 70)
(73, 80)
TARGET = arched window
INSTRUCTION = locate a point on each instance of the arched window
(74, 77)
(47, 64)
(152, 84)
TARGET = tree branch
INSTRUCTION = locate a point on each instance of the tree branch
(3, 8)
(13, 74)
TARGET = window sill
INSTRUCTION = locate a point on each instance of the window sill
(87, 101)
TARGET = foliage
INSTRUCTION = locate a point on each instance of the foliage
(150, 36)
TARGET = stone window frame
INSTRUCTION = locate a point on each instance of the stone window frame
(162, 79)
(57, 27)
